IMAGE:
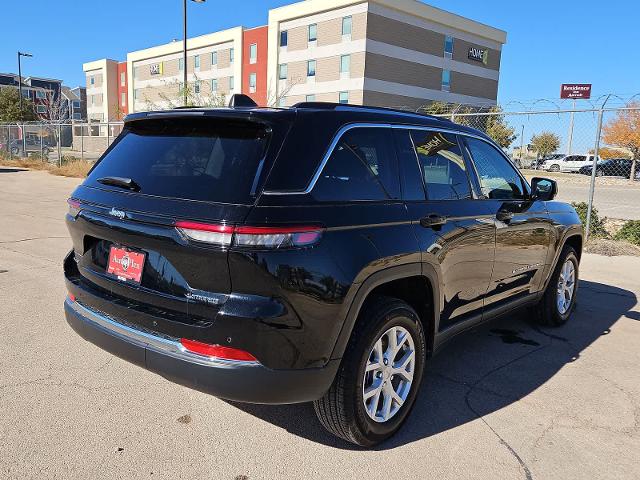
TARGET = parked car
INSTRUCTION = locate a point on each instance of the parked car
(616, 167)
(33, 145)
(537, 163)
(568, 163)
(224, 260)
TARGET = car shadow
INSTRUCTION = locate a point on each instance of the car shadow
(11, 170)
(482, 370)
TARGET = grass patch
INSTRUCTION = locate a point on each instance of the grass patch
(611, 248)
(71, 166)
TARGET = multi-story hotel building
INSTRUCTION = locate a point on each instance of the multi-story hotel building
(394, 53)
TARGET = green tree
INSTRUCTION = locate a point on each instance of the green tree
(10, 106)
(545, 143)
(498, 129)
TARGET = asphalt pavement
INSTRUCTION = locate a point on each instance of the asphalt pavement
(509, 400)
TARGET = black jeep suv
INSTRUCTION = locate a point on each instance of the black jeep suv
(319, 253)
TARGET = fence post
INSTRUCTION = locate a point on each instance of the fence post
(596, 151)
(81, 141)
(41, 146)
(59, 150)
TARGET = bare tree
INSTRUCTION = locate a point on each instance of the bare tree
(194, 92)
(56, 111)
(275, 96)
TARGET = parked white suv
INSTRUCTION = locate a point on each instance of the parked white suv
(568, 163)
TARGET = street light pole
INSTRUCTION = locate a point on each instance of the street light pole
(21, 54)
(184, 47)
(521, 144)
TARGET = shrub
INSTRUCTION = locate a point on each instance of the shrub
(630, 232)
(596, 228)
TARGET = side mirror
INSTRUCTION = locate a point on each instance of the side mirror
(543, 189)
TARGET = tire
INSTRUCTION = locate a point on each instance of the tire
(548, 311)
(15, 150)
(599, 173)
(342, 409)
(554, 168)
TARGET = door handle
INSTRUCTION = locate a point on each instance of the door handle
(433, 220)
(504, 215)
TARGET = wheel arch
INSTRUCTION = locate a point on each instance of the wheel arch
(410, 283)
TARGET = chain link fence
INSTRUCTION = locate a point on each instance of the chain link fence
(57, 142)
(593, 154)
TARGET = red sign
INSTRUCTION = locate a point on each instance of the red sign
(125, 264)
(575, 90)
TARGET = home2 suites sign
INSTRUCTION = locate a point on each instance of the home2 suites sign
(478, 54)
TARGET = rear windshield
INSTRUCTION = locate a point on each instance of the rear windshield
(194, 159)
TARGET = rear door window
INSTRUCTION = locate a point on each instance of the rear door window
(362, 166)
(204, 159)
(442, 164)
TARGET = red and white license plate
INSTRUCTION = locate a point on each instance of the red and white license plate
(125, 264)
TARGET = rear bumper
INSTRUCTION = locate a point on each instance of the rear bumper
(232, 380)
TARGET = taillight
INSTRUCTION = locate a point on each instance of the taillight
(74, 207)
(246, 236)
(208, 233)
(217, 351)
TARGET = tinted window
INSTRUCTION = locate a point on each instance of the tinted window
(443, 169)
(190, 159)
(498, 178)
(361, 167)
(411, 178)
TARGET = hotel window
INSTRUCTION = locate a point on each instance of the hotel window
(313, 32)
(284, 38)
(41, 109)
(92, 80)
(123, 99)
(135, 72)
(40, 94)
(283, 71)
(346, 25)
(181, 64)
(214, 84)
(232, 55)
(196, 87)
(93, 99)
(214, 58)
(232, 83)
(343, 97)
(196, 62)
(135, 92)
(282, 102)
(446, 80)
(310, 98)
(252, 83)
(253, 53)
(448, 46)
(76, 104)
(123, 79)
(311, 68)
(345, 63)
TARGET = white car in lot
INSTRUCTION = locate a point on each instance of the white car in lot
(568, 163)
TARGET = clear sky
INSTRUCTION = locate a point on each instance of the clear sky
(549, 41)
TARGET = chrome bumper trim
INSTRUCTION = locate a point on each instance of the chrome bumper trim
(162, 344)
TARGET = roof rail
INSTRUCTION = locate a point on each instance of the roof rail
(362, 108)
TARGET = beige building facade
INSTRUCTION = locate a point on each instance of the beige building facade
(214, 71)
(102, 90)
(392, 53)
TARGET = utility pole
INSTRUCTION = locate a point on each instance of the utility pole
(20, 55)
(521, 144)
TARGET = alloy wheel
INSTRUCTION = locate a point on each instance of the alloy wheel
(388, 374)
(566, 287)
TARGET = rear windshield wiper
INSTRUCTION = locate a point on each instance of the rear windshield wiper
(121, 182)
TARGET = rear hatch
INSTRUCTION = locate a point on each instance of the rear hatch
(189, 166)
